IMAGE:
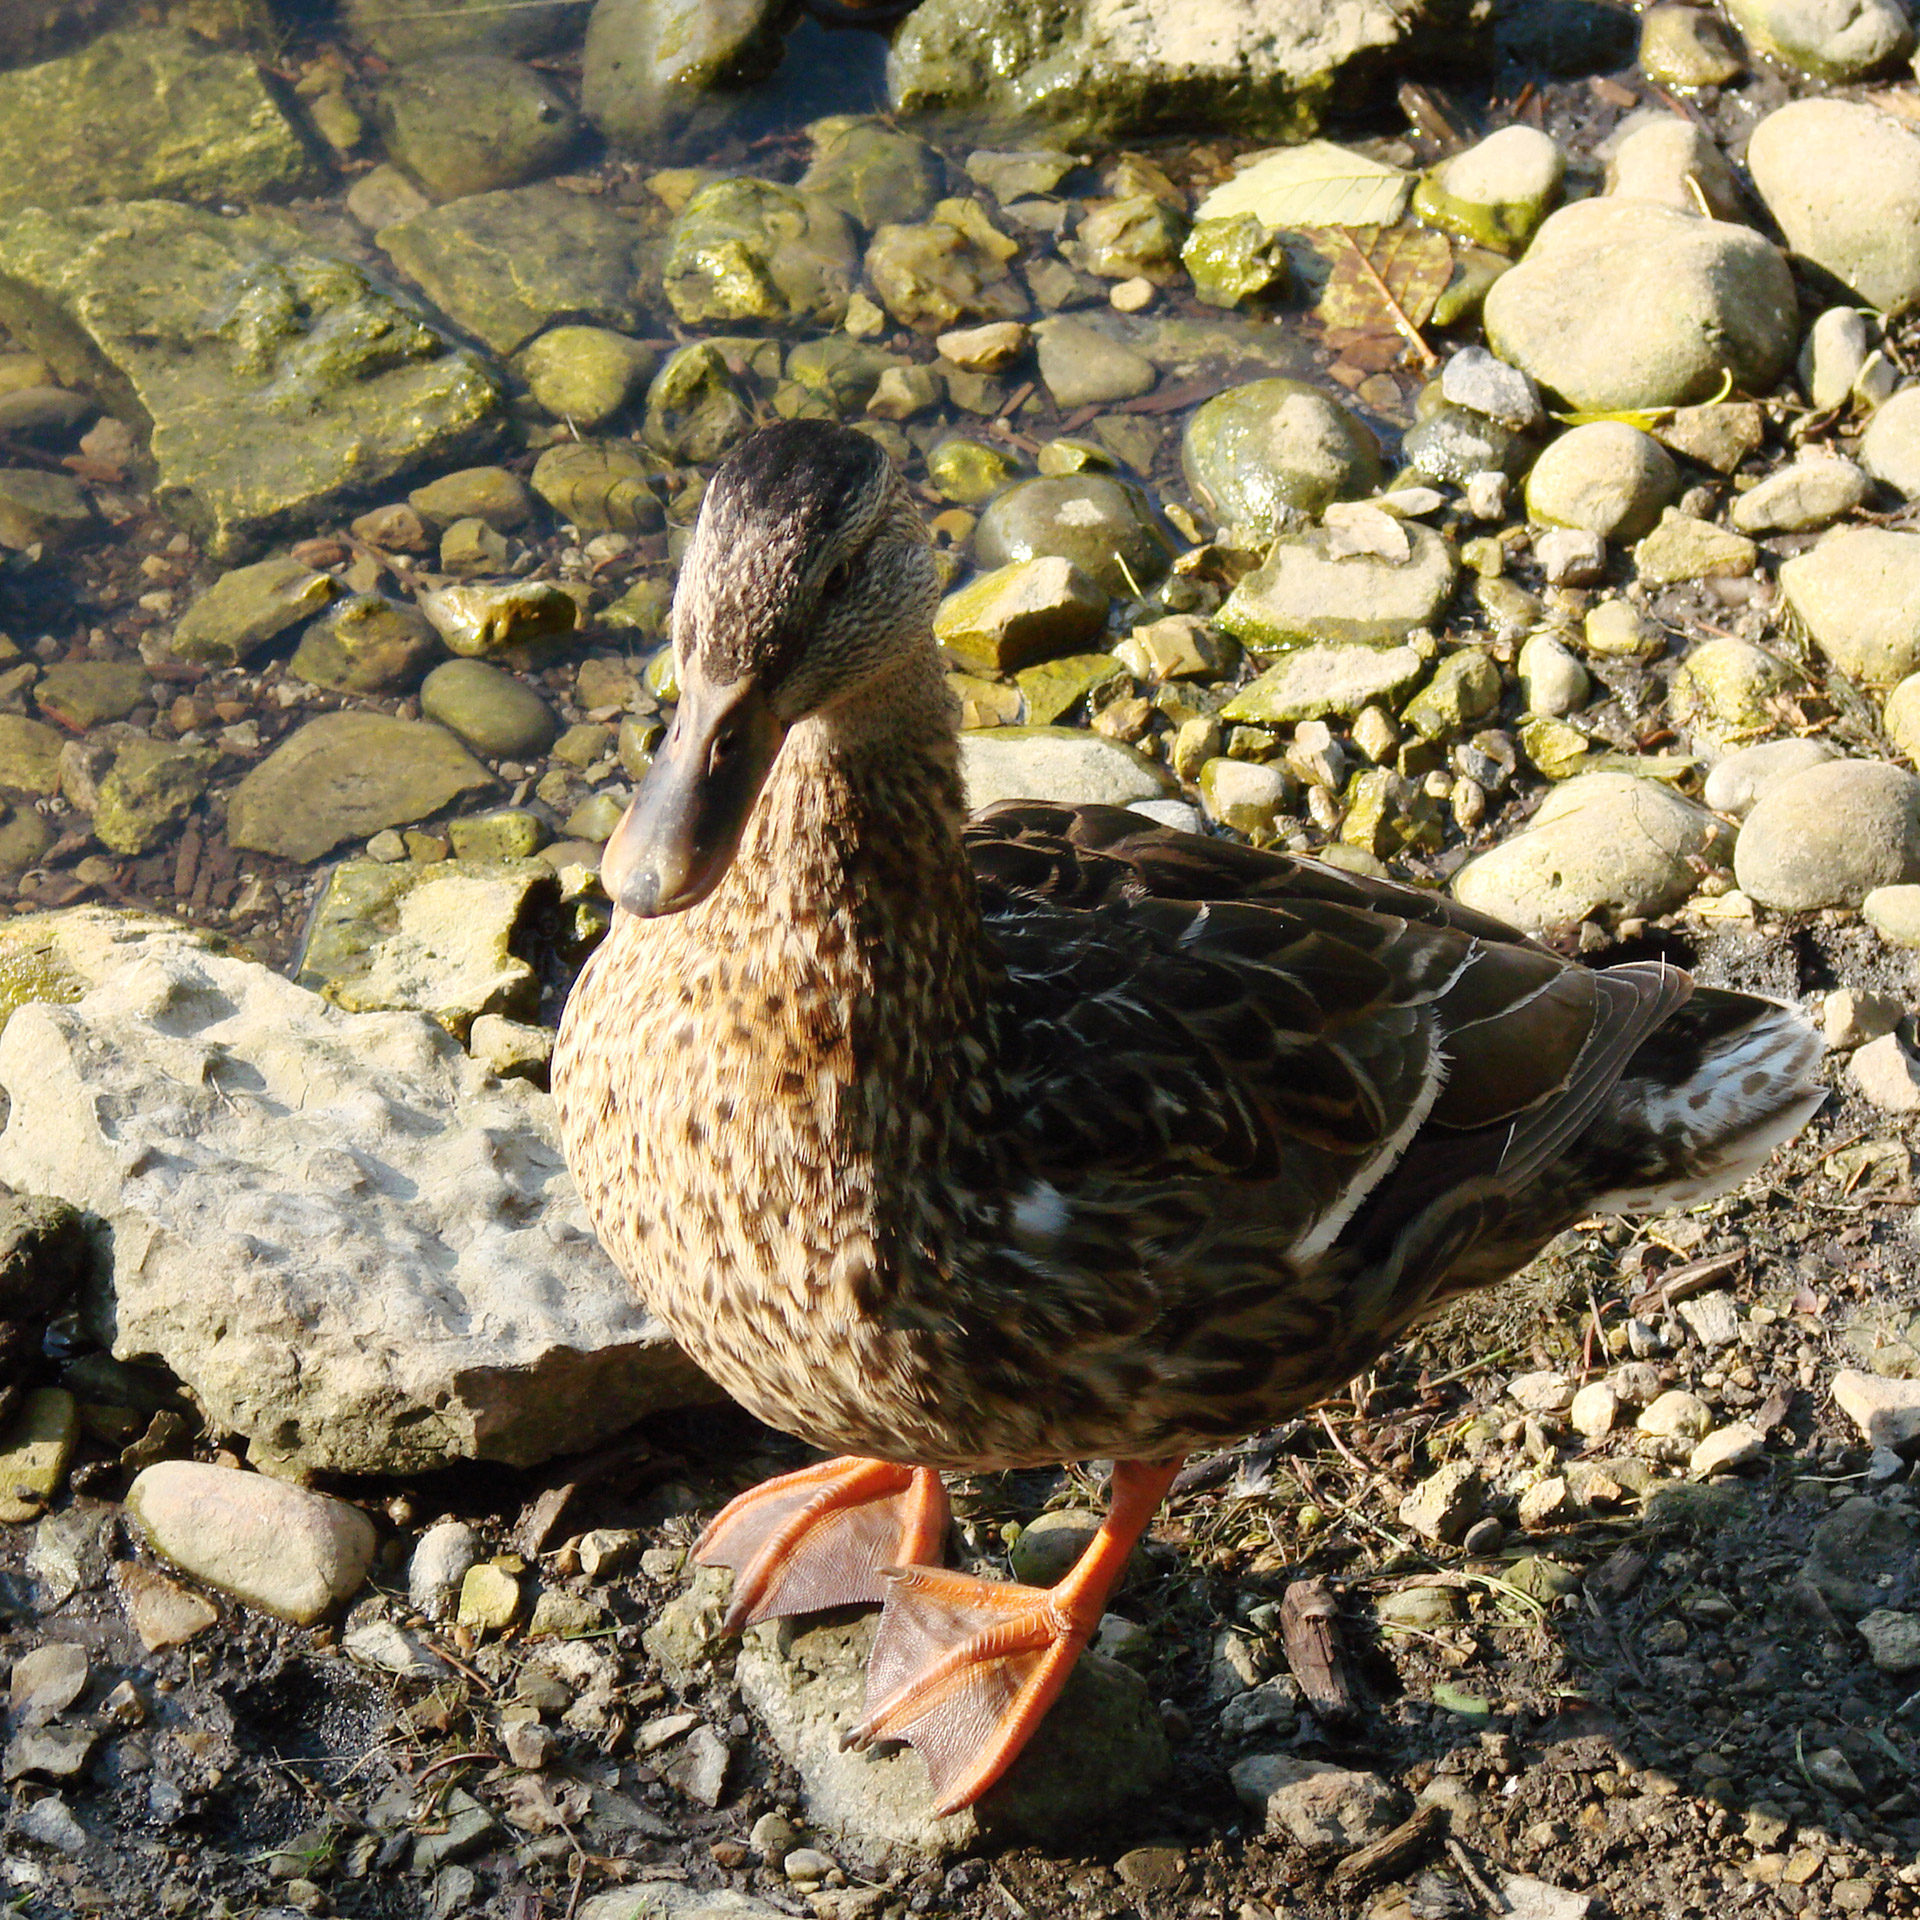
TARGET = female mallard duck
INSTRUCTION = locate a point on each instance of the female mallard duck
(1055, 1136)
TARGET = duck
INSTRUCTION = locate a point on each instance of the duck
(1055, 1134)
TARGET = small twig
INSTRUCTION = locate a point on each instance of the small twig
(1489, 1895)
(1428, 358)
(1340, 1447)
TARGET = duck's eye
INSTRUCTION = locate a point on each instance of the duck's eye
(836, 581)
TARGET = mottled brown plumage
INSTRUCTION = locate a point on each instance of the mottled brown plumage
(1058, 1135)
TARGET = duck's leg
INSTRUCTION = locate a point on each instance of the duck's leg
(966, 1669)
(824, 1536)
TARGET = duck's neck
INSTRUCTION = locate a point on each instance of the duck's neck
(852, 866)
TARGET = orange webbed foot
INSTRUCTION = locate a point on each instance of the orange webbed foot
(964, 1670)
(823, 1537)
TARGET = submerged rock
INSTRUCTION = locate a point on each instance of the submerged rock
(1104, 525)
(344, 776)
(148, 113)
(871, 171)
(745, 249)
(418, 29)
(474, 122)
(1100, 1749)
(1256, 455)
(273, 380)
(655, 71)
(504, 265)
(356, 1246)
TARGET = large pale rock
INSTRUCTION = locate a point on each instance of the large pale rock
(273, 1545)
(1602, 843)
(1857, 593)
(1842, 178)
(1099, 1748)
(1628, 303)
(1829, 836)
(356, 1246)
(1313, 589)
(270, 379)
(1826, 39)
(1065, 764)
(1094, 67)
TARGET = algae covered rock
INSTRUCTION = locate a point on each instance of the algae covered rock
(585, 374)
(417, 29)
(146, 113)
(84, 693)
(1020, 613)
(150, 788)
(504, 265)
(872, 172)
(344, 776)
(600, 486)
(696, 409)
(246, 608)
(950, 267)
(1105, 525)
(1233, 259)
(271, 379)
(1092, 68)
(745, 249)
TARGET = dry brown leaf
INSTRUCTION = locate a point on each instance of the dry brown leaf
(1383, 283)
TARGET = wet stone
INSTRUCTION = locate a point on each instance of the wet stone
(695, 407)
(873, 172)
(375, 388)
(46, 1681)
(70, 1550)
(1682, 46)
(162, 1612)
(82, 694)
(515, 619)
(1232, 260)
(1497, 191)
(1082, 366)
(656, 72)
(935, 273)
(29, 755)
(54, 1753)
(1258, 454)
(1826, 43)
(344, 776)
(600, 487)
(35, 1447)
(146, 114)
(472, 122)
(366, 644)
(436, 940)
(493, 494)
(245, 609)
(150, 788)
(1104, 525)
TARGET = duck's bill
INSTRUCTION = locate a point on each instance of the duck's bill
(679, 835)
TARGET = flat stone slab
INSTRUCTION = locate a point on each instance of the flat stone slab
(356, 1246)
(151, 112)
(270, 379)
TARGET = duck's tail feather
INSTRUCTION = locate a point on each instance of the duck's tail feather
(1704, 1101)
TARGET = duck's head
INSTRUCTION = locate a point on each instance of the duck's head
(807, 581)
